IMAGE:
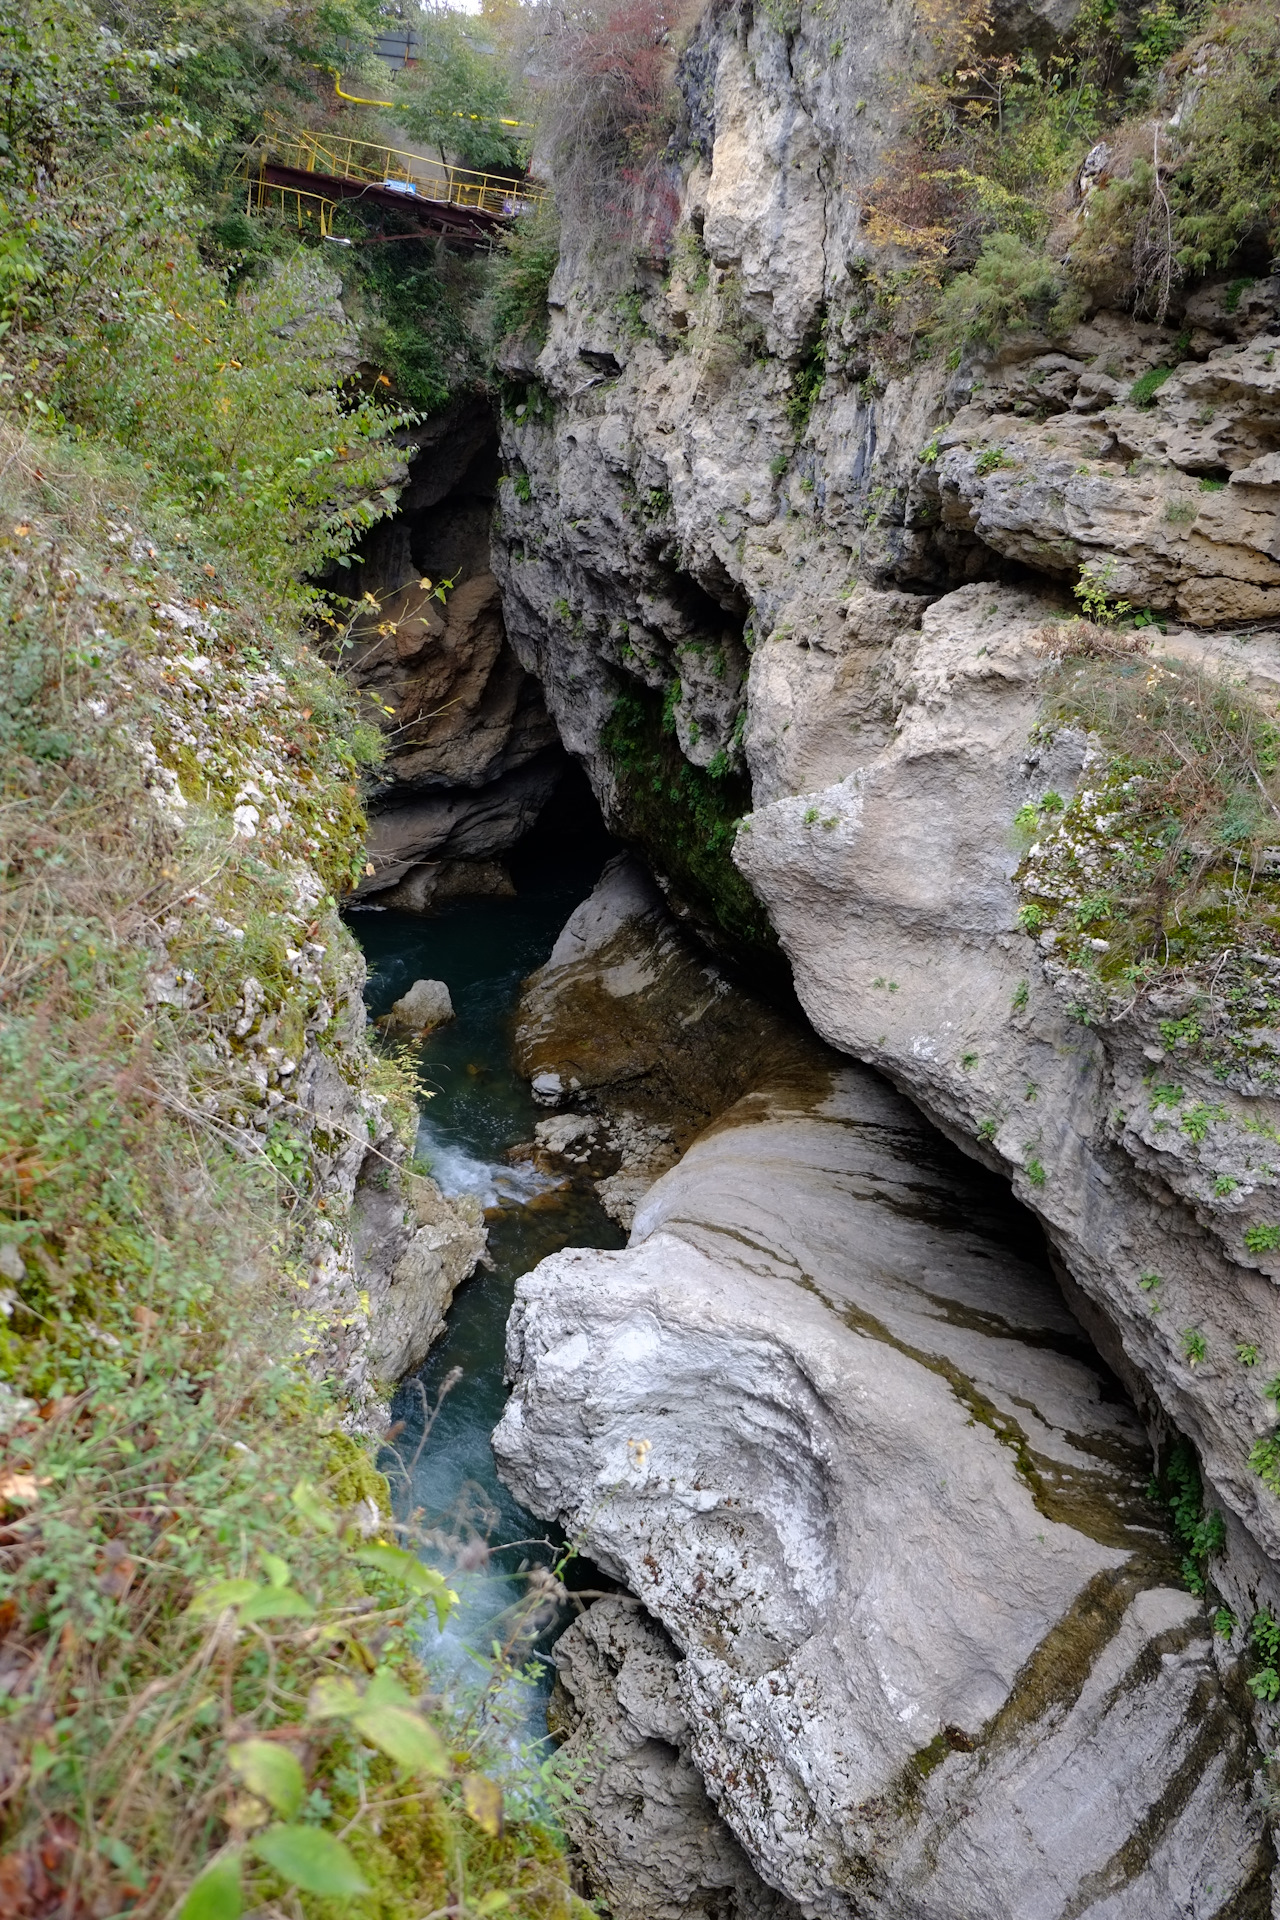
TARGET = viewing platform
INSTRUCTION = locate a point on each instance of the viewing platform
(311, 174)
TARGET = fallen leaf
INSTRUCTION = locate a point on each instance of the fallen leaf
(482, 1799)
(20, 1489)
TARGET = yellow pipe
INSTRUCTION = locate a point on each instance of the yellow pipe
(357, 100)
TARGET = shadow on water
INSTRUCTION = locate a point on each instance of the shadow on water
(482, 950)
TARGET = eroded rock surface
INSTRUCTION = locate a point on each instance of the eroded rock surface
(650, 1839)
(829, 1417)
(1137, 495)
(472, 755)
(893, 893)
(635, 1030)
(422, 1246)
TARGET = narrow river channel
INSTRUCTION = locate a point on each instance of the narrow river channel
(480, 1108)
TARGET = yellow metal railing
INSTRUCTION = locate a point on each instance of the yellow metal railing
(308, 209)
(416, 175)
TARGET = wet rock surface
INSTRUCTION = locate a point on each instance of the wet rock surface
(829, 1417)
(427, 1004)
(893, 893)
(422, 1246)
(634, 1031)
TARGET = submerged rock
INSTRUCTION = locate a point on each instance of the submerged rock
(630, 1020)
(832, 1421)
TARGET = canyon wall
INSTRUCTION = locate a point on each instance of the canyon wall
(827, 622)
(801, 617)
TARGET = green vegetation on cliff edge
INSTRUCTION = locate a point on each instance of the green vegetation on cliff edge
(210, 1697)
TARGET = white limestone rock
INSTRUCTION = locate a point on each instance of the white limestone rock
(642, 1825)
(426, 1005)
(892, 893)
(849, 1447)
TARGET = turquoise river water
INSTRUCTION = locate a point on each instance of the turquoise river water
(480, 1107)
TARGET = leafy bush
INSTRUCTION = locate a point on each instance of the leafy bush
(1011, 287)
(458, 96)
(996, 142)
(1184, 198)
(236, 400)
(607, 104)
(521, 275)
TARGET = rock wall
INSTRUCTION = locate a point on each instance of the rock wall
(472, 755)
(829, 1417)
(743, 598)
(793, 610)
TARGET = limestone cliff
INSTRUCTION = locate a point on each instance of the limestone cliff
(800, 615)
(814, 594)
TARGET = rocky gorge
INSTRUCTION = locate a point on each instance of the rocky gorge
(926, 1421)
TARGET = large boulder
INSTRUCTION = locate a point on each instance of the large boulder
(426, 1005)
(829, 1417)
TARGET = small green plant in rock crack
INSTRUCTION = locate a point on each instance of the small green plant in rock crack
(1197, 1121)
(1021, 995)
(1035, 1172)
(1178, 1486)
(1264, 1644)
(1194, 1346)
(991, 460)
(1145, 388)
(1093, 591)
(1262, 1238)
(988, 1127)
(1151, 1283)
(1247, 1353)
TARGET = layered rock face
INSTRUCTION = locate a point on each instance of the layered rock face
(759, 576)
(644, 1827)
(893, 891)
(739, 576)
(830, 1419)
(472, 754)
(1172, 504)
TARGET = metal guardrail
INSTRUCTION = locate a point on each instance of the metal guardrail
(393, 170)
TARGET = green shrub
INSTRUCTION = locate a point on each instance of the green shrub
(1012, 287)
(458, 95)
(686, 819)
(1144, 390)
(188, 1557)
(521, 275)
